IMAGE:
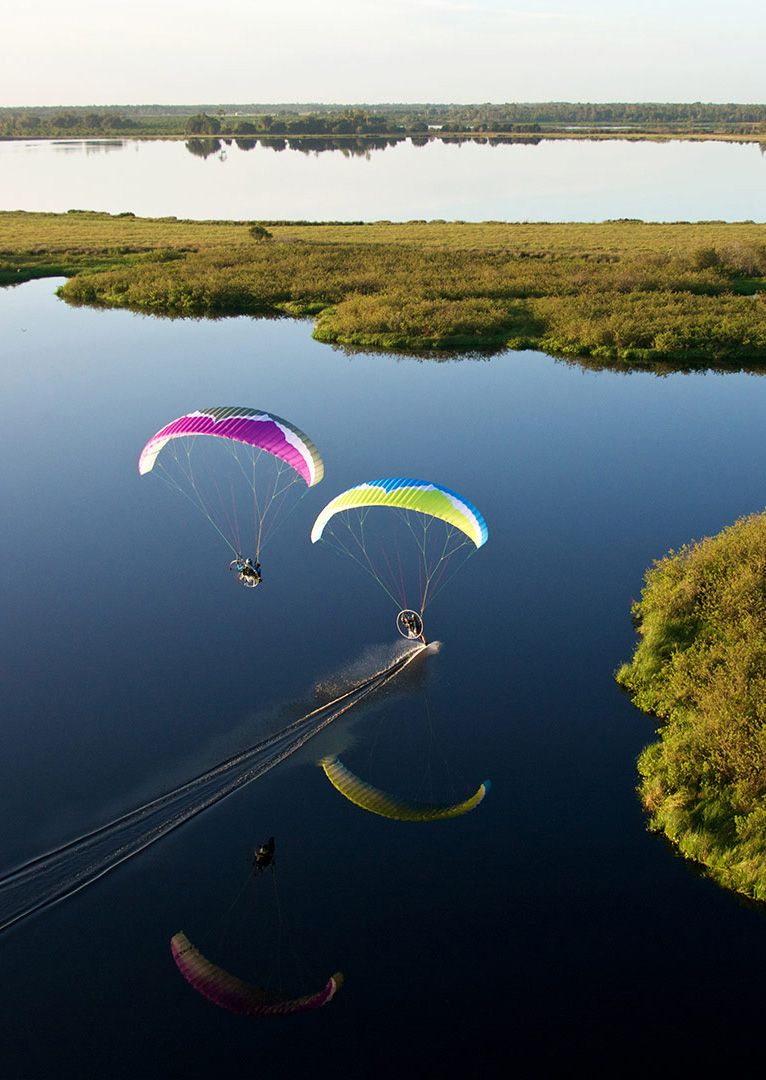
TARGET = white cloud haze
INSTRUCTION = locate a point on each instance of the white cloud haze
(186, 51)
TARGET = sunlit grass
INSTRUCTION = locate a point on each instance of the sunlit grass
(620, 292)
(701, 667)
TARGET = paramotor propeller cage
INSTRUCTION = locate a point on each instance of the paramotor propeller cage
(409, 624)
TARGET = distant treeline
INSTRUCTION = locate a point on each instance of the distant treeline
(389, 119)
(39, 123)
(347, 122)
(632, 114)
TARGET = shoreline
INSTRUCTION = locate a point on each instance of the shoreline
(521, 137)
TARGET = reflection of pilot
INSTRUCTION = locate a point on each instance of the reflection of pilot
(264, 856)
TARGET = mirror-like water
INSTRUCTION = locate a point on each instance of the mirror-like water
(548, 918)
(473, 181)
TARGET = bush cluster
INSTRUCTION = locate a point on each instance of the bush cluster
(701, 667)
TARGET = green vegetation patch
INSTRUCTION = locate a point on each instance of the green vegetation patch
(701, 667)
(620, 293)
(396, 321)
(611, 119)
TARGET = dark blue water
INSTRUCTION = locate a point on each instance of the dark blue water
(545, 924)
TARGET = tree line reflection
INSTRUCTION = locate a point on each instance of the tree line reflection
(347, 146)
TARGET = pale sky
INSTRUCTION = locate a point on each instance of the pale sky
(83, 52)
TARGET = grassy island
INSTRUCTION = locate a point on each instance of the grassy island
(701, 667)
(620, 293)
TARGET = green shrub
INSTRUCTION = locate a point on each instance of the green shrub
(701, 667)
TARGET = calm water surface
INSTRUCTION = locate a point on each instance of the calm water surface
(545, 924)
(551, 181)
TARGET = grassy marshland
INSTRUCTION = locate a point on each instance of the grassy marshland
(626, 293)
(701, 667)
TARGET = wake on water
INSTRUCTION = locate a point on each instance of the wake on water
(64, 870)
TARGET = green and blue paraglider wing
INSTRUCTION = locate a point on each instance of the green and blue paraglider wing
(422, 496)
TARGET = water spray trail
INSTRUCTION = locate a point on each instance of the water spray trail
(64, 870)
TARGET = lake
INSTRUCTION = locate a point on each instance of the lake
(545, 923)
(552, 180)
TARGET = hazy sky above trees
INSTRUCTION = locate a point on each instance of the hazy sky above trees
(186, 51)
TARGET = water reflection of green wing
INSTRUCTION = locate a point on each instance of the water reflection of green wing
(378, 802)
